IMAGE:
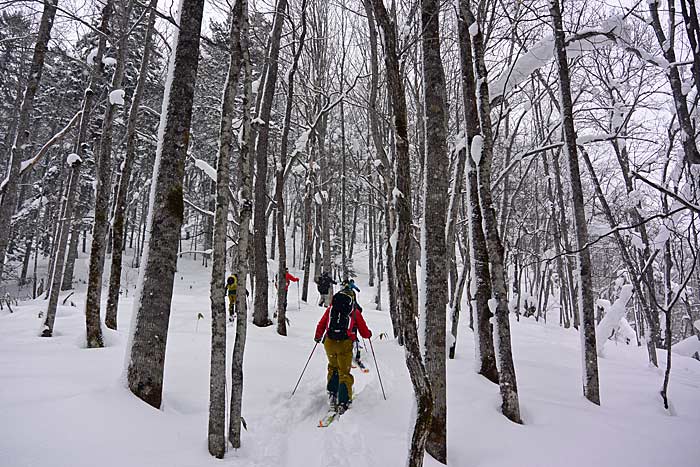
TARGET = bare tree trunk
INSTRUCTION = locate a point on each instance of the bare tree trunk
(667, 313)
(506, 375)
(120, 199)
(591, 388)
(480, 276)
(245, 213)
(217, 372)
(260, 313)
(385, 171)
(434, 226)
(152, 302)
(308, 228)
(68, 270)
(9, 187)
(100, 225)
(371, 235)
(57, 275)
(407, 302)
(279, 186)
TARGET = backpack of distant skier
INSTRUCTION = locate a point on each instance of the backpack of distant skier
(339, 316)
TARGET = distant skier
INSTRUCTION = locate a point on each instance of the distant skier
(338, 323)
(288, 277)
(323, 284)
(231, 291)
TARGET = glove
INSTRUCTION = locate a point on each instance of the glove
(317, 339)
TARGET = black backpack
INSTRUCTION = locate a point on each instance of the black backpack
(339, 318)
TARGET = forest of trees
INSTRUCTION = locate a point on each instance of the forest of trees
(499, 160)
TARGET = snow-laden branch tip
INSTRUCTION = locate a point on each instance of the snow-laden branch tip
(197, 208)
(116, 97)
(612, 318)
(73, 159)
(477, 148)
(205, 167)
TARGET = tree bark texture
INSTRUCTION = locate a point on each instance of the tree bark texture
(480, 283)
(217, 369)
(260, 313)
(434, 226)
(591, 388)
(245, 213)
(100, 224)
(152, 304)
(279, 185)
(384, 170)
(407, 301)
(510, 405)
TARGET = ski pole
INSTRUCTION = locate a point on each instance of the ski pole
(298, 301)
(302, 371)
(377, 367)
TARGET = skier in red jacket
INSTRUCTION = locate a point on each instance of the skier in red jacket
(288, 278)
(338, 323)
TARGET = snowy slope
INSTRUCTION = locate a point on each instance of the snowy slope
(63, 405)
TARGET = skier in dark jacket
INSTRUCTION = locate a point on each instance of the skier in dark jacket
(323, 284)
(338, 325)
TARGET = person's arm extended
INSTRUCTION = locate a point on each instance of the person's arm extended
(362, 326)
(322, 325)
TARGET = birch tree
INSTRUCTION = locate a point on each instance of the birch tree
(217, 377)
(245, 213)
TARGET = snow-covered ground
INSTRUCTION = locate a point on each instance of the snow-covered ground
(64, 405)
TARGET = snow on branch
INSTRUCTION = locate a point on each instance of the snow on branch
(611, 31)
(29, 163)
(686, 203)
(205, 167)
(197, 208)
(613, 317)
(519, 157)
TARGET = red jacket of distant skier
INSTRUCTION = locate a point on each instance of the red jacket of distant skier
(356, 322)
(288, 278)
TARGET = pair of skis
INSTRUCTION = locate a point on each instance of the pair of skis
(334, 413)
(362, 366)
(328, 419)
